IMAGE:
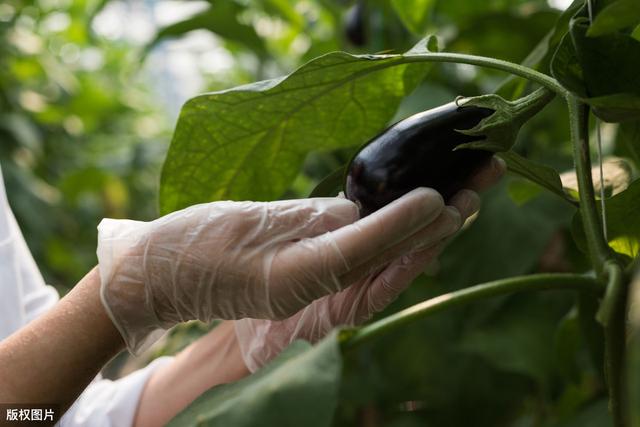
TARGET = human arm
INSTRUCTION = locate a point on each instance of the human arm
(212, 360)
(54, 357)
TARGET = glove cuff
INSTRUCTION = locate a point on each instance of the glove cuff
(122, 287)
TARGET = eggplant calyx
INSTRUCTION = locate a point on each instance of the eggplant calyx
(500, 129)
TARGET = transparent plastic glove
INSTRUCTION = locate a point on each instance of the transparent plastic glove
(262, 340)
(231, 260)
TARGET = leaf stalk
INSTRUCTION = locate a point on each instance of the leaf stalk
(534, 282)
(496, 64)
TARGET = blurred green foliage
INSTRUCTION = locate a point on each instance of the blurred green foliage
(81, 136)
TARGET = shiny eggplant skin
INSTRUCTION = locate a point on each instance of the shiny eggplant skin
(416, 152)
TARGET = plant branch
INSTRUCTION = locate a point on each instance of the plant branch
(496, 64)
(536, 282)
(598, 248)
(612, 315)
(612, 310)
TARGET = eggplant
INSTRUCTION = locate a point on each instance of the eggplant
(417, 152)
(354, 24)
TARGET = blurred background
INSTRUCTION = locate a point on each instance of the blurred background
(90, 89)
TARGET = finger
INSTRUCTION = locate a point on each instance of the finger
(467, 202)
(463, 204)
(373, 235)
(331, 255)
(398, 276)
(297, 219)
(447, 223)
(488, 175)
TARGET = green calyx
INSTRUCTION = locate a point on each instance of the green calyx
(500, 129)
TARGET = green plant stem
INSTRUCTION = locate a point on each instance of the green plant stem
(598, 248)
(499, 287)
(612, 315)
(612, 310)
(497, 64)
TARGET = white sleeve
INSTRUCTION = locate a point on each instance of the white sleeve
(37, 297)
(106, 403)
(23, 293)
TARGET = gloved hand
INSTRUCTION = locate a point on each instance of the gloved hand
(262, 340)
(231, 260)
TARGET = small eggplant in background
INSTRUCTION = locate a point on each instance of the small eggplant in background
(355, 25)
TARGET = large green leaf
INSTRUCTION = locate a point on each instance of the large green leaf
(299, 388)
(628, 141)
(540, 56)
(249, 142)
(623, 222)
(601, 70)
(616, 16)
(609, 62)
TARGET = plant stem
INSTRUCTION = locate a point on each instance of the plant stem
(497, 64)
(612, 315)
(453, 299)
(612, 310)
(598, 248)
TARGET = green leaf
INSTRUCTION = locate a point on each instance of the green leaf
(609, 62)
(628, 141)
(541, 175)
(615, 16)
(602, 71)
(566, 69)
(623, 222)
(414, 14)
(331, 185)
(220, 18)
(249, 142)
(521, 191)
(299, 388)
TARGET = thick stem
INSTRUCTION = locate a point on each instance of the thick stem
(474, 293)
(612, 309)
(497, 64)
(598, 247)
(612, 315)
